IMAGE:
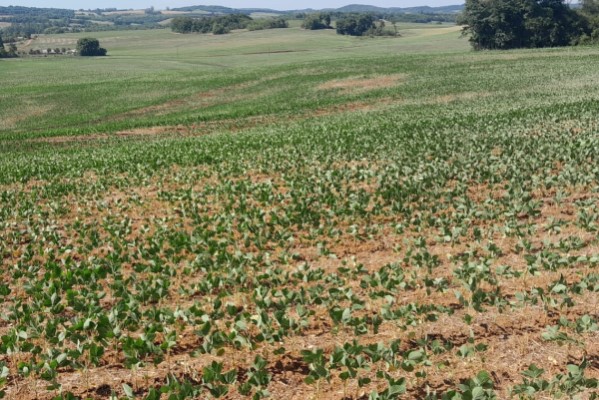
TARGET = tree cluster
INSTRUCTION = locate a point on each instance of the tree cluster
(590, 10)
(362, 24)
(323, 20)
(508, 24)
(11, 52)
(216, 25)
(151, 11)
(419, 18)
(90, 47)
(56, 51)
(315, 22)
(353, 24)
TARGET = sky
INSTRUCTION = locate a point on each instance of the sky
(277, 5)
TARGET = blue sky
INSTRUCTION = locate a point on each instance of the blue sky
(279, 5)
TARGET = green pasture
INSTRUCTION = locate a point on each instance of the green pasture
(150, 67)
(275, 73)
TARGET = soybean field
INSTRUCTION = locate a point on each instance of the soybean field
(288, 214)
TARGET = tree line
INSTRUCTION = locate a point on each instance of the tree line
(223, 24)
(86, 47)
(508, 24)
(421, 17)
(362, 25)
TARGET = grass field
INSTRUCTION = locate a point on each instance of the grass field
(299, 215)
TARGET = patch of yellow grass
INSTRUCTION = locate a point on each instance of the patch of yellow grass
(363, 84)
(11, 120)
(436, 31)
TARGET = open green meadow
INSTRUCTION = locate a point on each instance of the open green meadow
(295, 214)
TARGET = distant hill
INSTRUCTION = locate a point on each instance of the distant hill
(226, 10)
(359, 8)
(420, 9)
(434, 10)
(345, 9)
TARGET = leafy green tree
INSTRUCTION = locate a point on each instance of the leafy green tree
(12, 50)
(151, 11)
(182, 24)
(317, 21)
(219, 29)
(89, 47)
(590, 9)
(554, 23)
(507, 24)
(356, 24)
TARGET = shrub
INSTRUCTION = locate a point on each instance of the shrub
(90, 47)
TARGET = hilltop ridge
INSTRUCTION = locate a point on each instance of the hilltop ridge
(347, 8)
